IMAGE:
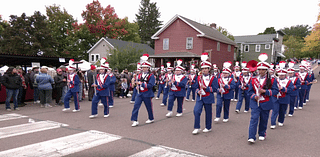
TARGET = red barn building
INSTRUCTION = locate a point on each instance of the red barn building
(182, 38)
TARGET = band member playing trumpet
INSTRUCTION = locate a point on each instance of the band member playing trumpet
(303, 76)
(161, 81)
(311, 80)
(236, 75)
(261, 89)
(133, 83)
(192, 79)
(206, 86)
(168, 77)
(244, 82)
(177, 90)
(295, 93)
(225, 94)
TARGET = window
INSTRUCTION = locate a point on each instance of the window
(218, 46)
(166, 44)
(258, 47)
(246, 48)
(229, 48)
(189, 44)
(95, 57)
(267, 46)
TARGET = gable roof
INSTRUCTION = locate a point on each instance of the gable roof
(255, 38)
(175, 55)
(204, 31)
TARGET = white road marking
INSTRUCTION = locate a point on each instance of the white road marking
(162, 151)
(11, 116)
(28, 128)
(64, 145)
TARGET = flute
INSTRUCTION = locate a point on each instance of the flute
(95, 88)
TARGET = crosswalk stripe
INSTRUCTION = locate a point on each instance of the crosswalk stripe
(163, 151)
(11, 116)
(28, 128)
(64, 145)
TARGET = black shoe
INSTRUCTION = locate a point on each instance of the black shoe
(21, 105)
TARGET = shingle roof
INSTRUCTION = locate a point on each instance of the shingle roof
(175, 55)
(255, 38)
(123, 44)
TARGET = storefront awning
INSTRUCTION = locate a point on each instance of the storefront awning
(176, 55)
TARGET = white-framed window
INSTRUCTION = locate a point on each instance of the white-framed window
(189, 43)
(218, 46)
(166, 44)
(246, 48)
(95, 57)
(267, 46)
(229, 48)
(258, 47)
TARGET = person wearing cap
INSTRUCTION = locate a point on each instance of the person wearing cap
(303, 76)
(236, 74)
(161, 81)
(59, 83)
(101, 85)
(206, 85)
(296, 84)
(244, 82)
(73, 84)
(145, 83)
(285, 88)
(133, 83)
(168, 78)
(90, 77)
(224, 94)
(191, 85)
(261, 91)
(177, 90)
(113, 80)
(216, 72)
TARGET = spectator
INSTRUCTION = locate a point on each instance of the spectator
(81, 77)
(91, 75)
(34, 85)
(65, 87)
(45, 82)
(23, 88)
(59, 83)
(12, 81)
(124, 88)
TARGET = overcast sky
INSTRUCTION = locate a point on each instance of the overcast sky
(239, 17)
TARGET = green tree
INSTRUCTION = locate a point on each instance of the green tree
(269, 30)
(225, 33)
(300, 31)
(133, 32)
(148, 21)
(294, 46)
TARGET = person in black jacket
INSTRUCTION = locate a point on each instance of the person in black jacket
(12, 81)
(59, 80)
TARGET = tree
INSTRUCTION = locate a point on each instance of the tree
(225, 33)
(147, 19)
(300, 31)
(293, 47)
(269, 30)
(133, 32)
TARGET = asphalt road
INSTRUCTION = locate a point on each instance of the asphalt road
(168, 136)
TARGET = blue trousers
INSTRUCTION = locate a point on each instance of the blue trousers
(293, 102)
(246, 100)
(165, 96)
(95, 101)
(261, 116)
(302, 95)
(307, 93)
(171, 100)
(226, 107)
(134, 94)
(12, 93)
(68, 96)
(161, 89)
(197, 113)
(278, 109)
(110, 98)
(236, 92)
(35, 93)
(297, 102)
(64, 92)
(193, 93)
(147, 102)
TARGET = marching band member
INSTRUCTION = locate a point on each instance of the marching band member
(285, 87)
(206, 86)
(311, 81)
(271, 71)
(192, 79)
(101, 85)
(168, 77)
(177, 90)
(161, 82)
(261, 89)
(296, 84)
(133, 84)
(303, 76)
(236, 74)
(225, 94)
(111, 86)
(144, 87)
(244, 82)
(216, 71)
(73, 83)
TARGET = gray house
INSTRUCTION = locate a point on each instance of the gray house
(251, 46)
(104, 46)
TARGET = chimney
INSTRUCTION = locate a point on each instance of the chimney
(213, 25)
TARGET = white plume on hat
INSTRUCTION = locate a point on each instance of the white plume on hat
(204, 56)
(226, 67)
(71, 66)
(243, 64)
(179, 67)
(263, 64)
(291, 64)
(145, 62)
(103, 60)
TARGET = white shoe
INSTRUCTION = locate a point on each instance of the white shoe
(178, 114)
(131, 102)
(135, 123)
(106, 116)
(225, 120)
(307, 100)
(65, 109)
(237, 111)
(162, 104)
(232, 99)
(76, 110)
(206, 130)
(157, 98)
(216, 119)
(110, 106)
(290, 115)
(272, 127)
(251, 140)
(280, 124)
(187, 99)
(295, 108)
(38, 101)
(93, 116)
(245, 111)
(300, 108)
(100, 104)
(235, 100)
(149, 121)
(192, 100)
(261, 138)
(169, 114)
(304, 104)
(195, 131)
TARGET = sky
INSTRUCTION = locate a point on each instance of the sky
(239, 17)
